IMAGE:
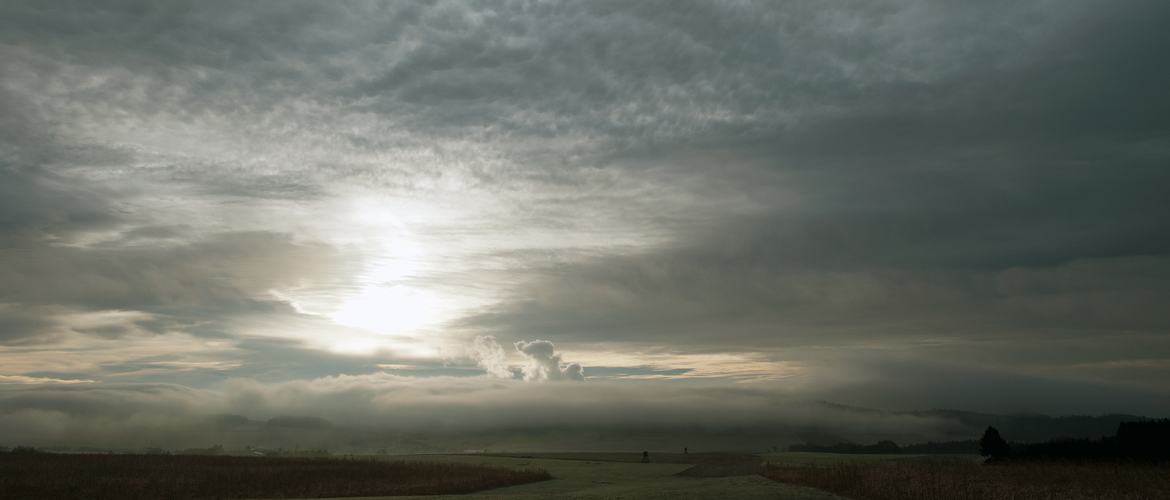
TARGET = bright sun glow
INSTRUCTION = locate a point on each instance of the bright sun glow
(383, 303)
(387, 308)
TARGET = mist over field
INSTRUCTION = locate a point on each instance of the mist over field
(402, 225)
(393, 414)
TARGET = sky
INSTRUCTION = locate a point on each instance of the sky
(591, 211)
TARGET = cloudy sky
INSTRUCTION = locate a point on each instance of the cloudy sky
(893, 204)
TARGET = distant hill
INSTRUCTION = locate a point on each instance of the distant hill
(288, 421)
(1016, 427)
(1033, 427)
(821, 438)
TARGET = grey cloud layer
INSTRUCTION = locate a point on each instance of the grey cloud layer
(511, 70)
(1011, 208)
(982, 182)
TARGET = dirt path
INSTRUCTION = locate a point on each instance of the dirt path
(578, 477)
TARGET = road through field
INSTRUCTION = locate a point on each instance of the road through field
(581, 479)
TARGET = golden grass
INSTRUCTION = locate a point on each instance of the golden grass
(169, 477)
(963, 480)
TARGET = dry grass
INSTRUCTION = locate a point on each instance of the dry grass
(167, 477)
(961, 480)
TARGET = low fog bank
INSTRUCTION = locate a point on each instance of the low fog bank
(393, 414)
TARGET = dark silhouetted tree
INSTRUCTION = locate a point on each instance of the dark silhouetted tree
(993, 445)
(1145, 440)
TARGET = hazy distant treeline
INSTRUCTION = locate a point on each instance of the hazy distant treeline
(1032, 428)
(881, 447)
(1147, 440)
(965, 447)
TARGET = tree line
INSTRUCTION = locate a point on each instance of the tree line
(1146, 441)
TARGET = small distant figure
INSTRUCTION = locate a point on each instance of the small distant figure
(684, 450)
(645, 457)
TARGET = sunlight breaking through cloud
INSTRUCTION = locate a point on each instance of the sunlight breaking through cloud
(888, 204)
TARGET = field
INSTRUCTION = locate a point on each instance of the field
(167, 477)
(965, 479)
(673, 476)
(821, 459)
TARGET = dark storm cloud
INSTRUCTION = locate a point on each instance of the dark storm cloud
(1012, 209)
(806, 81)
(1056, 158)
(495, 70)
(938, 192)
(723, 298)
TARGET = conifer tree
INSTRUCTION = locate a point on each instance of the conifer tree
(993, 445)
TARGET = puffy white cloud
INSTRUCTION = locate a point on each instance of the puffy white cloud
(546, 364)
